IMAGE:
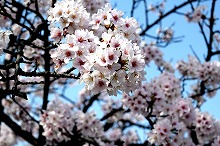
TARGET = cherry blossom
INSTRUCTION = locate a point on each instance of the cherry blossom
(7, 137)
(108, 47)
(206, 127)
(4, 39)
(57, 123)
(196, 15)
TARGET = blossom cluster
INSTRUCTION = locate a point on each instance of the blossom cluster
(160, 92)
(103, 47)
(57, 121)
(20, 114)
(165, 34)
(217, 38)
(208, 72)
(34, 53)
(60, 119)
(4, 39)
(173, 129)
(89, 125)
(157, 8)
(169, 131)
(7, 136)
(176, 116)
(3, 21)
(153, 53)
(93, 6)
(216, 141)
(43, 5)
(162, 98)
(9, 9)
(69, 16)
(108, 104)
(196, 15)
(207, 127)
(3, 85)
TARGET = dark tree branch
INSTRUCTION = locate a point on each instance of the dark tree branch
(164, 16)
(111, 113)
(211, 25)
(17, 129)
(92, 99)
(42, 74)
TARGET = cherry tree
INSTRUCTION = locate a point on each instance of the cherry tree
(48, 48)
